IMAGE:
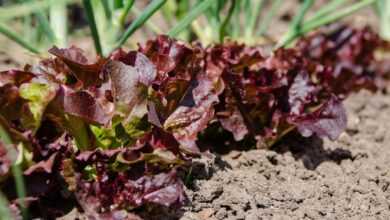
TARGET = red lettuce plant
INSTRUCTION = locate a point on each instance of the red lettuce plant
(112, 135)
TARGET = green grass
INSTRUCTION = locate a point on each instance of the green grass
(245, 20)
(319, 21)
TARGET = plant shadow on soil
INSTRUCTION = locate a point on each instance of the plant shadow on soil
(311, 151)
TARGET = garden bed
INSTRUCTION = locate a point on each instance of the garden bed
(194, 129)
(308, 178)
(301, 179)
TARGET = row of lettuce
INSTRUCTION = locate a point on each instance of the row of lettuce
(115, 135)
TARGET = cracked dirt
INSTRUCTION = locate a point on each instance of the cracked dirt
(304, 179)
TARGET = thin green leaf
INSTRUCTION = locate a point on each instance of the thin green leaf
(28, 29)
(4, 210)
(313, 24)
(248, 9)
(169, 11)
(6, 31)
(20, 188)
(268, 17)
(297, 20)
(295, 25)
(328, 8)
(45, 25)
(59, 22)
(79, 130)
(21, 10)
(139, 21)
(122, 18)
(92, 26)
(191, 16)
(225, 22)
(16, 172)
(117, 4)
(4, 136)
(149, 24)
(107, 10)
(383, 9)
(254, 14)
(236, 24)
(217, 9)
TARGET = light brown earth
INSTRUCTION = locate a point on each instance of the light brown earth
(304, 179)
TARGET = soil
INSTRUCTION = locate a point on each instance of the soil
(299, 179)
(303, 179)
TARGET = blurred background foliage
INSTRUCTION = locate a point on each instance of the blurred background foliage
(104, 25)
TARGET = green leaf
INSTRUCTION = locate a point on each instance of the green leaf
(92, 25)
(140, 20)
(27, 8)
(149, 24)
(313, 24)
(225, 22)
(120, 134)
(20, 187)
(296, 23)
(38, 95)
(254, 10)
(122, 18)
(191, 16)
(106, 138)
(79, 130)
(44, 23)
(90, 173)
(4, 136)
(59, 22)
(383, 9)
(268, 17)
(107, 10)
(6, 31)
(326, 9)
(137, 127)
(4, 210)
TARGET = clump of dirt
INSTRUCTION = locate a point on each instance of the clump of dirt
(304, 179)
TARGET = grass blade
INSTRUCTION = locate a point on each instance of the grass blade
(4, 137)
(20, 188)
(125, 12)
(79, 130)
(92, 26)
(225, 22)
(16, 172)
(268, 17)
(44, 23)
(297, 21)
(149, 24)
(192, 15)
(326, 9)
(139, 21)
(236, 29)
(117, 4)
(59, 22)
(313, 24)
(21, 10)
(251, 21)
(295, 25)
(107, 10)
(6, 31)
(383, 9)
(4, 210)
